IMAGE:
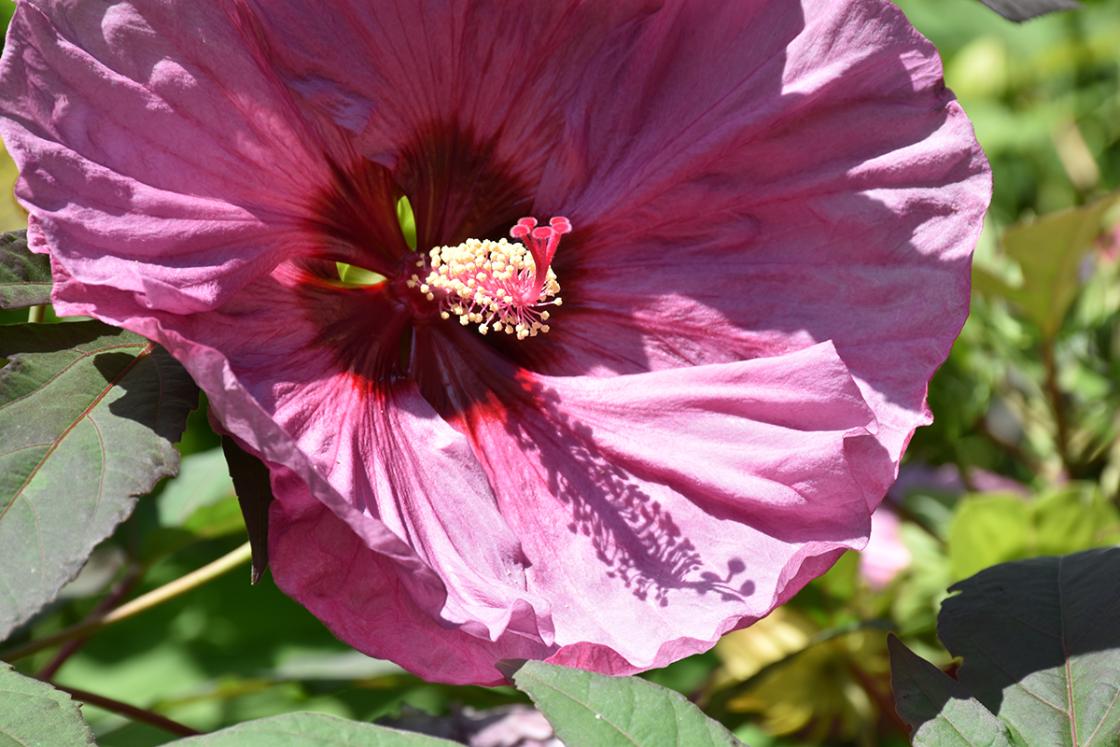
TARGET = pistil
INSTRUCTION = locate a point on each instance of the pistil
(501, 285)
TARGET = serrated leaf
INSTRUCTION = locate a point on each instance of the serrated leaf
(25, 278)
(34, 714)
(88, 418)
(1022, 10)
(1041, 646)
(303, 729)
(937, 708)
(587, 708)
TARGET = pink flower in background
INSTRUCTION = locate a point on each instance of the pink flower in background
(885, 555)
(772, 207)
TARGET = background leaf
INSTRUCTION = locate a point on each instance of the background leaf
(1041, 646)
(592, 709)
(302, 729)
(88, 416)
(12, 214)
(199, 504)
(989, 529)
(34, 714)
(1049, 251)
(25, 278)
(1021, 10)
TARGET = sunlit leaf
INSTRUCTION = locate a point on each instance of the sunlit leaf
(590, 709)
(199, 503)
(995, 528)
(1049, 252)
(407, 220)
(12, 214)
(25, 278)
(88, 416)
(303, 729)
(34, 714)
(798, 678)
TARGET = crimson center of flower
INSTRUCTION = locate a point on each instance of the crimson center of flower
(500, 285)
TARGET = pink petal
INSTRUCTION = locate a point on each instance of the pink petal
(710, 493)
(366, 475)
(128, 110)
(465, 101)
(830, 192)
(774, 212)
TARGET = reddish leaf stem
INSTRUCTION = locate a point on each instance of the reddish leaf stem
(129, 711)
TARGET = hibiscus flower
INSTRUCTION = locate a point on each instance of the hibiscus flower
(764, 211)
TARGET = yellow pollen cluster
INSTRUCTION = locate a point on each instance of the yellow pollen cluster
(492, 284)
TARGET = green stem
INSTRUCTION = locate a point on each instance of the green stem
(129, 711)
(1058, 407)
(36, 313)
(153, 598)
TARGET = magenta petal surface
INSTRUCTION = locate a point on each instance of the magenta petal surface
(774, 205)
(674, 498)
(833, 190)
(157, 155)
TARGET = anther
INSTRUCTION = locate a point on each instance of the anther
(499, 285)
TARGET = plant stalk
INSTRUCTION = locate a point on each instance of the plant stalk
(129, 711)
(1058, 407)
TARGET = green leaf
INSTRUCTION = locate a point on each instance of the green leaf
(196, 505)
(592, 709)
(34, 714)
(304, 729)
(994, 528)
(987, 529)
(25, 278)
(936, 707)
(1041, 646)
(88, 418)
(1049, 251)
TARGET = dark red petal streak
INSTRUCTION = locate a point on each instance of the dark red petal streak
(468, 141)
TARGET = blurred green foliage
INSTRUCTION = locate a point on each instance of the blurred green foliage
(1023, 459)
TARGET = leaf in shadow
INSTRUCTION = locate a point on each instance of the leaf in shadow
(1022, 10)
(254, 493)
(88, 418)
(1041, 645)
(937, 707)
(1041, 650)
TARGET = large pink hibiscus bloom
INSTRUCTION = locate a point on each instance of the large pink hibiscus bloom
(773, 207)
